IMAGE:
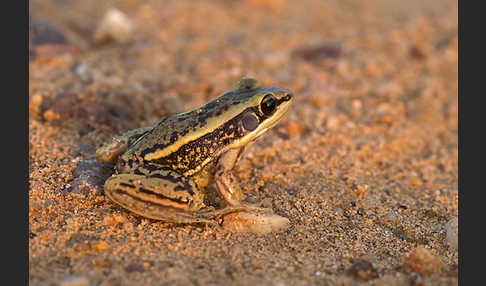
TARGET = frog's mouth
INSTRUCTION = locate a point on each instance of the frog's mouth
(283, 106)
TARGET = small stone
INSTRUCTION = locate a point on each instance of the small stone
(89, 175)
(74, 280)
(100, 246)
(357, 105)
(423, 262)
(115, 26)
(333, 123)
(113, 220)
(35, 105)
(452, 232)
(50, 115)
(43, 33)
(147, 265)
(134, 268)
(363, 270)
(294, 129)
(321, 50)
(391, 217)
(339, 211)
(255, 223)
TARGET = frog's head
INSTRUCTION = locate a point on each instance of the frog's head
(232, 120)
(260, 108)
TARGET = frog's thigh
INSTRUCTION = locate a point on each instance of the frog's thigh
(162, 195)
(110, 152)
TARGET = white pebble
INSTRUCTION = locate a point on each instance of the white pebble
(114, 26)
(73, 280)
(255, 223)
(452, 228)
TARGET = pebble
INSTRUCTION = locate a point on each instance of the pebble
(88, 175)
(452, 232)
(391, 217)
(42, 33)
(423, 262)
(115, 26)
(51, 115)
(294, 129)
(35, 105)
(74, 280)
(255, 223)
(320, 50)
(333, 123)
(363, 270)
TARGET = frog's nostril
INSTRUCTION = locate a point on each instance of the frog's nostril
(288, 96)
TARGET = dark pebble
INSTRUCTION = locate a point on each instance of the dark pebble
(319, 51)
(42, 33)
(134, 268)
(90, 174)
(363, 270)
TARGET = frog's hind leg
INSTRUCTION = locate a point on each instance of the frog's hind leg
(110, 152)
(161, 194)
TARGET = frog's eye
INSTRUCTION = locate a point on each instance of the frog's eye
(268, 104)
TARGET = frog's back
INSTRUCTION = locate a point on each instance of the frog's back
(187, 140)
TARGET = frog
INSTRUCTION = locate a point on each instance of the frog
(163, 172)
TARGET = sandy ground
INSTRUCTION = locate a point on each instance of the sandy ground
(364, 165)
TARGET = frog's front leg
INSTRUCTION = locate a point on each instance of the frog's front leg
(110, 152)
(226, 182)
(163, 195)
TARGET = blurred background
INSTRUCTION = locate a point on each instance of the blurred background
(328, 52)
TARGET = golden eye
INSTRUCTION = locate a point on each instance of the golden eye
(268, 104)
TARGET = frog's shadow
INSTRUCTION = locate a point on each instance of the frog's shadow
(89, 173)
